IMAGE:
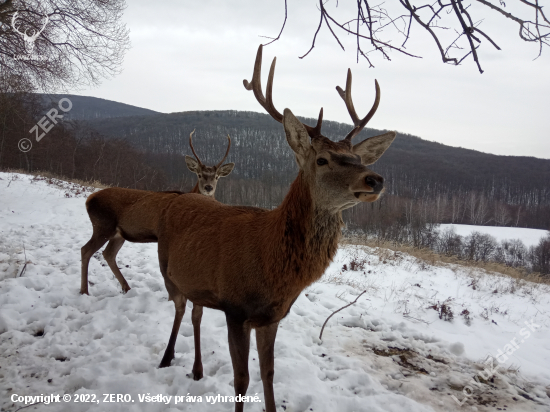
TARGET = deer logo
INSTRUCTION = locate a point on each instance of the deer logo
(29, 39)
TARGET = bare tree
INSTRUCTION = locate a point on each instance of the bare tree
(453, 25)
(501, 214)
(57, 44)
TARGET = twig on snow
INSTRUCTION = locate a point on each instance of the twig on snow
(335, 312)
(25, 265)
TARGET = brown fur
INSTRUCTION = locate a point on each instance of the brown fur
(269, 265)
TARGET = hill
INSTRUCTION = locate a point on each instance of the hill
(443, 184)
(420, 164)
(87, 107)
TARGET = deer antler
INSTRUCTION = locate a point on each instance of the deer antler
(346, 96)
(192, 149)
(267, 102)
(226, 152)
(13, 24)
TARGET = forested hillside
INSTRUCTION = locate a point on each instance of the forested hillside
(427, 182)
(86, 107)
(449, 184)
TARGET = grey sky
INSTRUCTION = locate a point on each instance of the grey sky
(194, 55)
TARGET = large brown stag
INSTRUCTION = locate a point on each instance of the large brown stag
(253, 263)
(119, 214)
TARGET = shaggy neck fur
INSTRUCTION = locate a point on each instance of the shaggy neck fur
(307, 235)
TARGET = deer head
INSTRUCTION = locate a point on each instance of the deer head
(208, 175)
(336, 172)
(29, 39)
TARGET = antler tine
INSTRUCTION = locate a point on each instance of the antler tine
(226, 152)
(46, 22)
(256, 86)
(346, 96)
(315, 131)
(268, 91)
(192, 148)
(13, 23)
(267, 103)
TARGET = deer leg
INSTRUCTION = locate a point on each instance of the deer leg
(238, 333)
(87, 251)
(179, 302)
(109, 254)
(196, 316)
(265, 340)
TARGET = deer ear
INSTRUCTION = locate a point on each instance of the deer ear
(296, 135)
(225, 169)
(374, 147)
(192, 164)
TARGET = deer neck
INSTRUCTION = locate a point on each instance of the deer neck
(309, 234)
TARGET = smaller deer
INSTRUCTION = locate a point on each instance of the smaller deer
(119, 214)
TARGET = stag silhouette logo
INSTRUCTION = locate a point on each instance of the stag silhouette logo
(28, 38)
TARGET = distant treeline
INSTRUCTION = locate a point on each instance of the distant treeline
(453, 185)
(427, 183)
(477, 246)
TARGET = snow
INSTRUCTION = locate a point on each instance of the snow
(530, 237)
(388, 352)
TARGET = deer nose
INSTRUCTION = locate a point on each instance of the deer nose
(208, 188)
(376, 182)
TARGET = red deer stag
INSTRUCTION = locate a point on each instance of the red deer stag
(119, 214)
(253, 263)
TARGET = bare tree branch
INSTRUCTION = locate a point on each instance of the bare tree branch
(381, 27)
(281, 32)
(74, 43)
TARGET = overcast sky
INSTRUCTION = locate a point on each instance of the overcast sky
(194, 55)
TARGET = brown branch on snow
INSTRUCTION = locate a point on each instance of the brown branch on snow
(25, 265)
(336, 311)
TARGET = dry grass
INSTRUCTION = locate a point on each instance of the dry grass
(432, 258)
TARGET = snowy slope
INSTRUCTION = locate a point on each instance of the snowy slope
(388, 352)
(530, 237)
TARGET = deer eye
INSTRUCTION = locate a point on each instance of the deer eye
(322, 161)
(200, 176)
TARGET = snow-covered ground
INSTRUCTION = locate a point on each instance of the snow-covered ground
(388, 352)
(530, 237)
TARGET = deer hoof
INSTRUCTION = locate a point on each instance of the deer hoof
(165, 364)
(166, 360)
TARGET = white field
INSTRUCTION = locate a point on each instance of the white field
(530, 237)
(388, 352)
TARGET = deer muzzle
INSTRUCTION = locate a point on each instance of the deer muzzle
(369, 188)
